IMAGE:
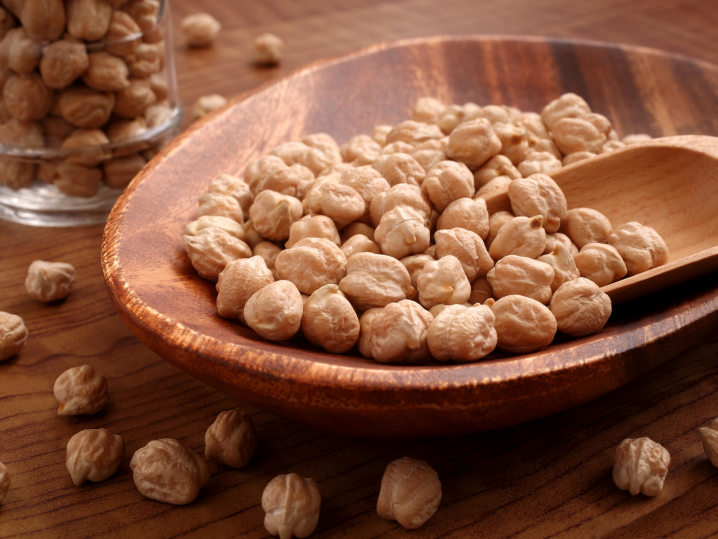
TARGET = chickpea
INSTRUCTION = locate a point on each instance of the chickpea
(146, 60)
(640, 247)
(77, 180)
(574, 135)
(26, 97)
(83, 107)
(466, 213)
(274, 213)
(453, 115)
(427, 110)
(521, 276)
(401, 233)
(268, 49)
(580, 307)
(318, 226)
(473, 143)
(94, 455)
(122, 130)
(16, 175)
(538, 162)
(443, 281)
(19, 52)
(269, 252)
(467, 247)
(275, 311)
(365, 322)
(374, 280)
(496, 114)
(367, 182)
(7, 22)
(200, 29)
(480, 291)
(106, 73)
(572, 158)
(311, 263)
(82, 138)
(222, 205)
(520, 236)
(133, 101)
(120, 171)
(569, 105)
(360, 150)
(395, 147)
(353, 229)
(44, 20)
(49, 281)
(400, 168)
(600, 263)
(462, 334)
(641, 466)
(415, 265)
(211, 249)
(612, 145)
(231, 439)
(380, 132)
(144, 12)
(13, 336)
(522, 324)
(88, 19)
(410, 492)
(123, 36)
(81, 390)
(427, 154)
(157, 115)
(251, 237)
(514, 141)
(4, 481)
(257, 171)
(496, 221)
(447, 181)
(206, 104)
(709, 439)
(337, 201)
(531, 121)
(359, 244)
(585, 225)
(632, 139)
(539, 195)
(329, 320)
(563, 264)
(559, 239)
(238, 282)
(402, 195)
(398, 333)
(498, 165)
(291, 504)
(230, 226)
(413, 132)
(325, 153)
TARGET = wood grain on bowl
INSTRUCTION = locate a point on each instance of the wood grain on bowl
(163, 301)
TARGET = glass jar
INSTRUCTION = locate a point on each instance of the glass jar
(85, 104)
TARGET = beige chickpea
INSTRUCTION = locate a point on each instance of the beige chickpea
(360, 150)
(26, 97)
(44, 20)
(499, 182)
(77, 180)
(211, 249)
(520, 236)
(531, 121)
(200, 29)
(318, 226)
(311, 263)
(359, 244)
(49, 281)
(123, 35)
(641, 466)
(410, 492)
(557, 238)
(146, 60)
(274, 213)
(325, 152)
(380, 132)
(569, 105)
(19, 52)
(496, 114)
(401, 168)
(144, 12)
(600, 263)
(580, 307)
(88, 19)
(16, 175)
(222, 205)
(612, 145)
(120, 171)
(374, 280)
(13, 336)
(542, 145)
(586, 225)
(166, 471)
(467, 247)
(275, 311)
(638, 137)
(257, 173)
(402, 195)
(230, 226)
(158, 114)
(572, 158)
(640, 247)
(81, 390)
(539, 163)
(575, 135)
(466, 213)
(231, 440)
(119, 130)
(496, 221)
(56, 130)
(396, 147)
(83, 107)
(4, 481)
(443, 281)
(427, 110)
(518, 275)
(329, 320)
(462, 334)
(133, 101)
(709, 439)
(251, 237)
(415, 265)
(453, 115)
(269, 252)
(106, 72)
(498, 165)
(401, 233)
(427, 154)
(94, 455)
(413, 132)
(563, 264)
(539, 195)
(238, 282)
(91, 140)
(367, 182)
(398, 333)
(365, 322)
(337, 201)
(353, 229)
(514, 141)
(291, 504)
(473, 143)
(480, 291)
(447, 181)
(268, 49)
(522, 324)
(206, 104)
(21, 133)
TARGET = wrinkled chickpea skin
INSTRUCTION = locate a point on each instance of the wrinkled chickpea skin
(523, 276)
(580, 307)
(398, 333)
(81, 390)
(462, 334)
(329, 320)
(49, 281)
(641, 466)
(275, 311)
(94, 455)
(211, 249)
(236, 284)
(410, 492)
(522, 324)
(231, 440)
(13, 335)
(375, 280)
(311, 263)
(291, 504)
(443, 281)
(200, 29)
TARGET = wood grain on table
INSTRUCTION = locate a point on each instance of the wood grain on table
(548, 478)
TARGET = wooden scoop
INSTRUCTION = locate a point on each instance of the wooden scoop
(669, 184)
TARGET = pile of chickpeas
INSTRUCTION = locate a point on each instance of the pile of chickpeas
(386, 243)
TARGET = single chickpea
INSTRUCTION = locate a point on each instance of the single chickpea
(211, 249)
(413, 132)
(19, 52)
(147, 59)
(398, 333)
(522, 324)
(563, 264)
(82, 138)
(359, 244)
(4, 481)
(401, 233)
(473, 143)
(467, 247)
(539, 163)
(443, 281)
(447, 181)
(269, 252)
(518, 275)
(367, 182)
(611, 145)
(402, 195)
(200, 29)
(580, 307)
(166, 471)
(88, 19)
(206, 104)
(251, 237)
(231, 439)
(427, 154)
(395, 147)
(83, 107)
(77, 180)
(415, 265)
(641, 466)
(353, 229)
(480, 291)
(94, 455)
(274, 213)
(498, 165)
(709, 438)
(222, 205)
(311, 263)
(514, 141)
(374, 280)
(466, 213)
(230, 226)
(26, 97)
(410, 492)
(291, 504)
(541, 145)
(454, 115)
(106, 72)
(329, 320)
(319, 226)
(44, 21)
(226, 184)
(144, 12)
(365, 322)
(572, 158)
(462, 334)
(258, 170)
(600, 263)
(120, 171)
(275, 311)
(539, 195)
(123, 35)
(238, 282)
(380, 132)
(640, 247)
(558, 238)
(49, 281)
(337, 201)
(81, 390)
(586, 225)
(360, 150)
(268, 49)
(574, 135)
(531, 121)
(133, 101)
(569, 105)
(400, 168)
(13, 336)
(427, 110)
(520, 236)
(325, 153)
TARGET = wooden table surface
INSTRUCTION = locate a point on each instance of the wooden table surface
(548, 478)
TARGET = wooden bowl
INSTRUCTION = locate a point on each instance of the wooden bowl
(163, 301)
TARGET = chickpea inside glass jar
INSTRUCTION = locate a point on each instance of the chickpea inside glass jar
(89, 96)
